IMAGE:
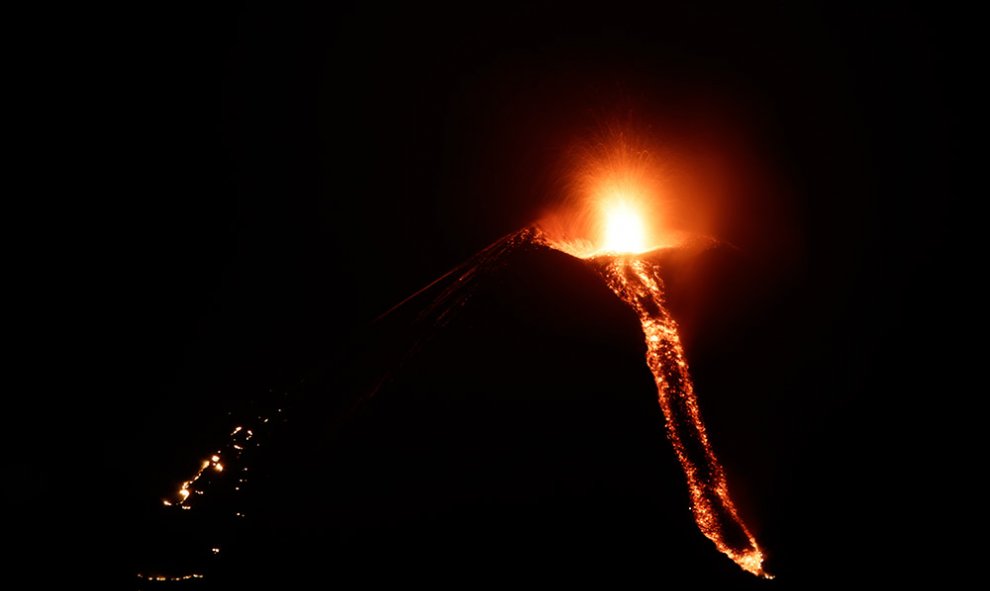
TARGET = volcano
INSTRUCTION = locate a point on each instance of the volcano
(501, 423)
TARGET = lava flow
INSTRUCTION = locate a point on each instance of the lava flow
(637, 282)
(619, 214)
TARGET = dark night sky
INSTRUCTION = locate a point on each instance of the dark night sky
(243, 168)
(271, 159)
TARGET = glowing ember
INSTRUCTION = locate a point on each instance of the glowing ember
(238, 437)
(214, 472)
(169, 579)
(188, 486)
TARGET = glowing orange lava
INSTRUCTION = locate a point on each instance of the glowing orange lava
(624, 230)
(620, 182)
(616, 200)
(639, 285)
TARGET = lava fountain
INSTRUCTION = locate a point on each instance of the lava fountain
(620, 197)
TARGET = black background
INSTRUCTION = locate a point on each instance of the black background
(244, 187)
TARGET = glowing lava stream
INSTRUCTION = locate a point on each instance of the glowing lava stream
(638, 283)
(619, 179)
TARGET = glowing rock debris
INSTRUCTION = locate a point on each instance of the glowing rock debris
(238, 436)
(227, 469)
(170, 579)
